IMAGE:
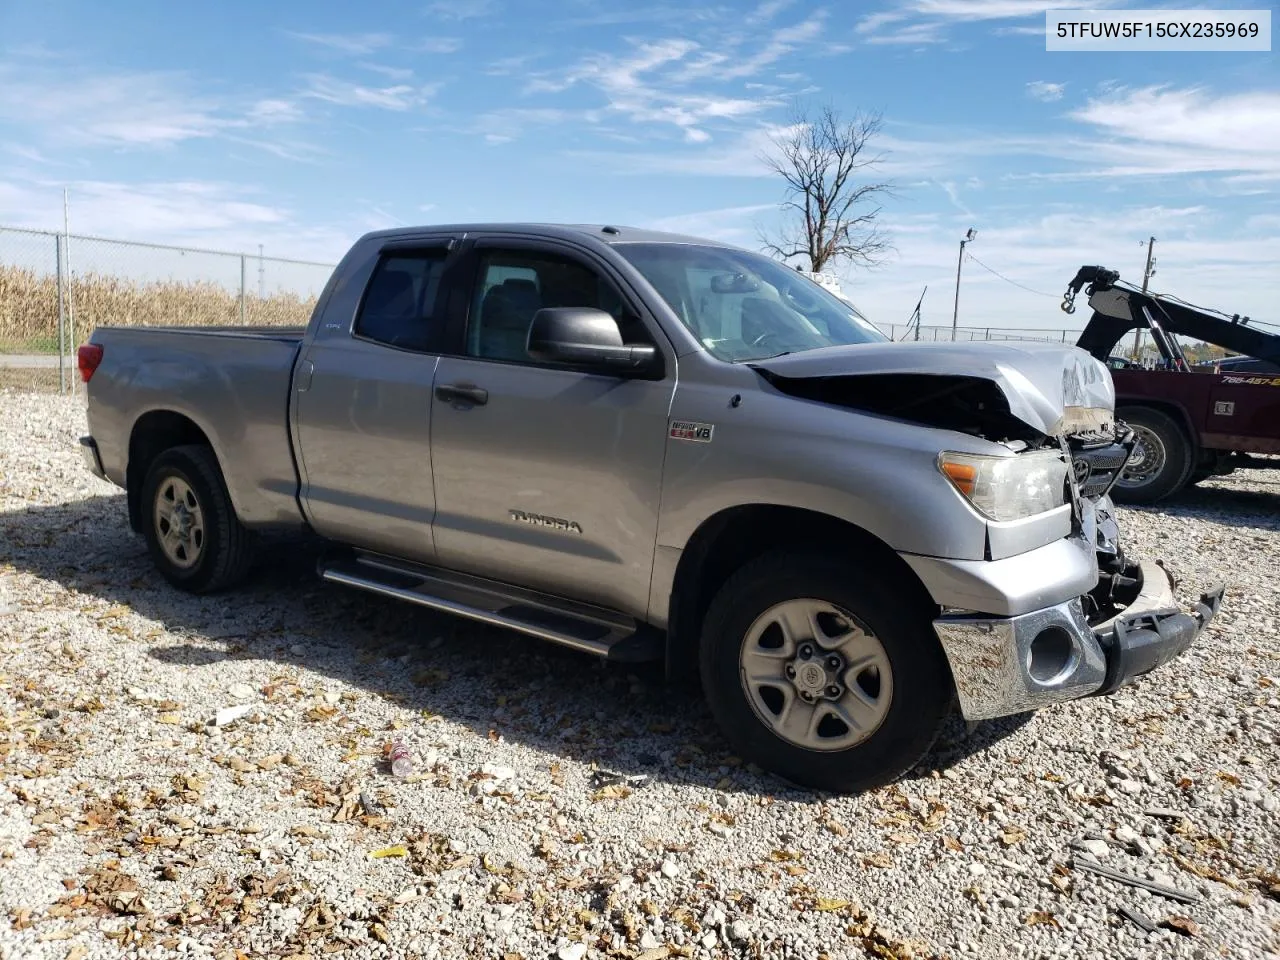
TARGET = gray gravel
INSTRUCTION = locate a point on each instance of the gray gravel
(131, 825)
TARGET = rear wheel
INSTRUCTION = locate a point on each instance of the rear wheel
(821, 672)
(1162, 460)
(189, 523)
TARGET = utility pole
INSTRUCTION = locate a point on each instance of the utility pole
(1147, 273)
(955, 315)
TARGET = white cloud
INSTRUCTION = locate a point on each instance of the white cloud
(505, 125)
(437, 45)
(132, 109)
(1046, 91)
(927, 21)
(357, 44)
(275, 111)
(677, 81)
(400, 96)
(1161, 130)
(392, 73)
(767, 10)
(461, 9)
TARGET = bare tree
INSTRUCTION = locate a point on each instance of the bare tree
(822, 161)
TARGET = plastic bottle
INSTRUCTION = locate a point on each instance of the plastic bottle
(401, 762)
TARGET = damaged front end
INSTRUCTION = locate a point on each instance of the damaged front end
(1008, 653)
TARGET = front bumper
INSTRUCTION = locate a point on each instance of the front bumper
(1009, 665)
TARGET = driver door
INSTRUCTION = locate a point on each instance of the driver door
(545, 475)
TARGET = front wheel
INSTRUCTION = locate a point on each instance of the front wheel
(823, 672)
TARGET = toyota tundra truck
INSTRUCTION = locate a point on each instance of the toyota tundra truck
(652, 447)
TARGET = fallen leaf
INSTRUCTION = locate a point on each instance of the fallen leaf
(1038, 917)
(836, 827)
(1012, 835)
(396, 851)
(829, 904)
(170, 718)
(614, 791)
(1183, 925)
(951, 843)
(882, 860)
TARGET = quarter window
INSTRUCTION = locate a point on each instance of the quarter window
(401, 303)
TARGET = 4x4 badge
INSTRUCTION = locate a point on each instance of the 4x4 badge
(689, 430)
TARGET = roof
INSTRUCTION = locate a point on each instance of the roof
(596, 231)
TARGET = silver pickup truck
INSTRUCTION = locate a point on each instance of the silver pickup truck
(653, 447)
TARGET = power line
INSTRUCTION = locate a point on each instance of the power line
(1007, 280)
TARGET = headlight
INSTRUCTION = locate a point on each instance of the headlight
(1008, 488)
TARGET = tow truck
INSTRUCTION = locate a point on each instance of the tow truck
(1190, 422)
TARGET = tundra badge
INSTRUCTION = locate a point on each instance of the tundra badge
(538, 520)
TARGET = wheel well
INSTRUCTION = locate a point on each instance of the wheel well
(734, 537)
(152, 435)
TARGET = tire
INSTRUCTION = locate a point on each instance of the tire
(217, 550)
(1165, 447)
(907, 716)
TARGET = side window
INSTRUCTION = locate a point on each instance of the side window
(401, 302)
(514, 285)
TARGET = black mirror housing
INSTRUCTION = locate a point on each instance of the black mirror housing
(584, 336)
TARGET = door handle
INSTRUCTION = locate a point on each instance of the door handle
(463, 391)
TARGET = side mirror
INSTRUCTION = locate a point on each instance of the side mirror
(584, 336)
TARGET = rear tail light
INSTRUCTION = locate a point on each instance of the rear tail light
(87, 359)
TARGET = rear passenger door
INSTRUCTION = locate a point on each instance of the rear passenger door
(363, 400)
(547, 476)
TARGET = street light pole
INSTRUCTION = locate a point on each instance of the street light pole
(955, 314)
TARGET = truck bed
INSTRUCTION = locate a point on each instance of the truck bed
(233, 383)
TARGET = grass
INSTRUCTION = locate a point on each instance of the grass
(29, 307)
(40, 344)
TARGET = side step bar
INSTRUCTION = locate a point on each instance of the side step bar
(580, 626)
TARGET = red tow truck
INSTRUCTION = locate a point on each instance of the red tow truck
(1191, 421)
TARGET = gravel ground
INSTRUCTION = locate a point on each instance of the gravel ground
(130, 825)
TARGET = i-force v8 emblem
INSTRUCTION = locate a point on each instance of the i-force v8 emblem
(688, 430)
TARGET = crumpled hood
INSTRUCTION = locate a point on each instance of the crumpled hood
(1053, 388)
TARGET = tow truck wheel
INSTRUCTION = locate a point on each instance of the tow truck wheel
(191, 528)
(1162, 458)
(817, 670)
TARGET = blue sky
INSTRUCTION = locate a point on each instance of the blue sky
(301, 125)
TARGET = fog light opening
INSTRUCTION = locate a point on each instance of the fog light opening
(1052, 654)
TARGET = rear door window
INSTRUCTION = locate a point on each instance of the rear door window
(402, 306)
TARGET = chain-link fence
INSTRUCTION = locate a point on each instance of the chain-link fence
(55, 288)
(903, 331)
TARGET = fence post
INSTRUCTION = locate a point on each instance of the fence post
(62, 336)
(242, 289)
(1064, 336)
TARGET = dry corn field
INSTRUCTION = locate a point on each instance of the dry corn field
(29, 305)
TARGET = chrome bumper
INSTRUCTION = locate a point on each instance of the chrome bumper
(1009, 665)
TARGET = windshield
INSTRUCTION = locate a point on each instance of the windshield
(746, 306)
